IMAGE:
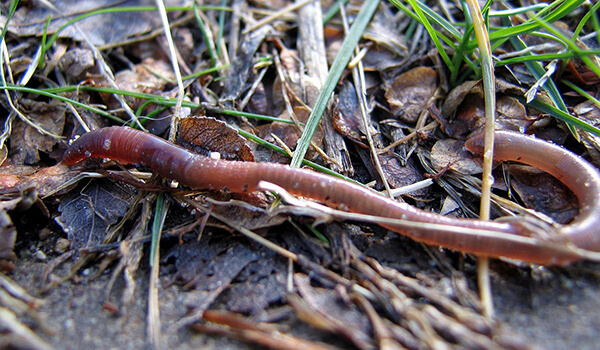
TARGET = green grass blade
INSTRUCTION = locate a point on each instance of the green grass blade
(64, 99)
(160, 213)
(337, 68)
(561, 115)
(582, 92)
(433, 34)
(556, 11)
(537, 70)
(209, 45)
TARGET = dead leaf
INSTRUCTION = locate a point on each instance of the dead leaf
(544, 193)
(590, 113)
(151, 77)
(287, 133)
(87, 215)
(76, 63)
(469, 117)
(452, 154)
(47, 181)
(464, 110)
(206, 134)
(410, 92)
(347, 119)
(11, 174)
(116, 26)
(512, 115)
(399, 175)
(26, 141)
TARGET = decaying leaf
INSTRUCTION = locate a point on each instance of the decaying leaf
(205, 135)
(452, 155)
(589, 112)
(464, 110)
(151, 76)
(410, 92)
(544, 193)
(27, 142)
(116, 26)
(399, 175)
(86, 215)
(277, 133)
(76, 63)
(48, 181)
(11, 174)
(347, 118)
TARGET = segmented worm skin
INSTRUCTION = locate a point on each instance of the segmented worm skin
(581, 177)
(495, 239)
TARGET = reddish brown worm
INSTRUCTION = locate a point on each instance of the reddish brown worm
(513, 238)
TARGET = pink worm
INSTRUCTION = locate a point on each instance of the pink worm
(512, 238)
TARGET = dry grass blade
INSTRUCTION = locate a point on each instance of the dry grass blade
(489, 87)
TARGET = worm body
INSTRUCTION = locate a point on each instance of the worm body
(511, 239)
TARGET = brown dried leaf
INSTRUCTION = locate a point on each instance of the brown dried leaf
(87, 215)
(115, 27)
(544, 193)
(287, 133)
(399, 175)
(380, 34)
(47, 180)
(589, 112)
(469, 117)
(464, 110)
(11, 174)
(347, 119)
(151, 77)
(76, 63)
(27, 142)
(452, 154)
(456, 97)
(511, 115)
(410, 92)
(206, 134)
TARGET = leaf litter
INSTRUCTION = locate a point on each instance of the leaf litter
(348, 285)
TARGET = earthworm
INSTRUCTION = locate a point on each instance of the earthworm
(513, 237)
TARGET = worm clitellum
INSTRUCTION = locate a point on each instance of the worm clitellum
(512, 237)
